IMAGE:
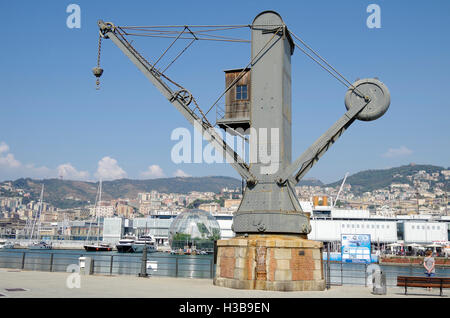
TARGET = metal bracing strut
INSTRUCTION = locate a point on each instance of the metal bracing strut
(306, 161)
(367, 100)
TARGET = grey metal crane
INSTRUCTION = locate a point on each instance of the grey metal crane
(269, 203)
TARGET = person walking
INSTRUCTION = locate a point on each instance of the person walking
(429, 264)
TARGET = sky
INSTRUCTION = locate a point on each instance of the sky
(54, 123)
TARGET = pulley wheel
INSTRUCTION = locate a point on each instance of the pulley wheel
(185, 96)
(371, 91)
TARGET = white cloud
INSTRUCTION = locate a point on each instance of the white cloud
(108, 169)
(67, 171)
(153, 172)
(9, 161)
(11, 168)
(397, 152)
(3, 147)
(180, 173)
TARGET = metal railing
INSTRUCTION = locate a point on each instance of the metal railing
(335, 273)
(339, 273)
(107, 264)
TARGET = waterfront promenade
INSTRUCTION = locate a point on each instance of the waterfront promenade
(53, 285)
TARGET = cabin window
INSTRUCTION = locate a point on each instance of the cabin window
(241, 92)
(412, 227)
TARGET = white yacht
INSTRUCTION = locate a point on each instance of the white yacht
(6, 245)
(142, 241)
(40, 246)
(125, 245)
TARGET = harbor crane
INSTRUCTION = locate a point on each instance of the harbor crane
(269, 204)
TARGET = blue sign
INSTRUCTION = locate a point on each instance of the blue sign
(355, 248)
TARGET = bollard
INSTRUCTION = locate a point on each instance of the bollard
(86, 265)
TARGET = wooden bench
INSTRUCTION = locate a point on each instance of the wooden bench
(414, 281)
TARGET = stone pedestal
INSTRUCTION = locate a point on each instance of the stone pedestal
(270, 262)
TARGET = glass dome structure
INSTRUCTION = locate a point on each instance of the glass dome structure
(194, 228)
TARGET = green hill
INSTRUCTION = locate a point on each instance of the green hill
(370, 180)
(69, 194)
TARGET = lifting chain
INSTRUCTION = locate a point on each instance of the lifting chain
(98, 71)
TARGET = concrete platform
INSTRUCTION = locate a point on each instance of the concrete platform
(270, 262)
(53, 285)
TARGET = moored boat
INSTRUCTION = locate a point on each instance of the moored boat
(98, 247)
(144, 241)
(6, 245)
(125, 245)
(40, 246)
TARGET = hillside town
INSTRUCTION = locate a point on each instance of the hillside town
(426, 196)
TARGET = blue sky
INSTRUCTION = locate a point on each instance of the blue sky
(53, 122)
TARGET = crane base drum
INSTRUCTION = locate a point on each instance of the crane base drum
(270, 250)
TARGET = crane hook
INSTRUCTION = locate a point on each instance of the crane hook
(97, 71)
